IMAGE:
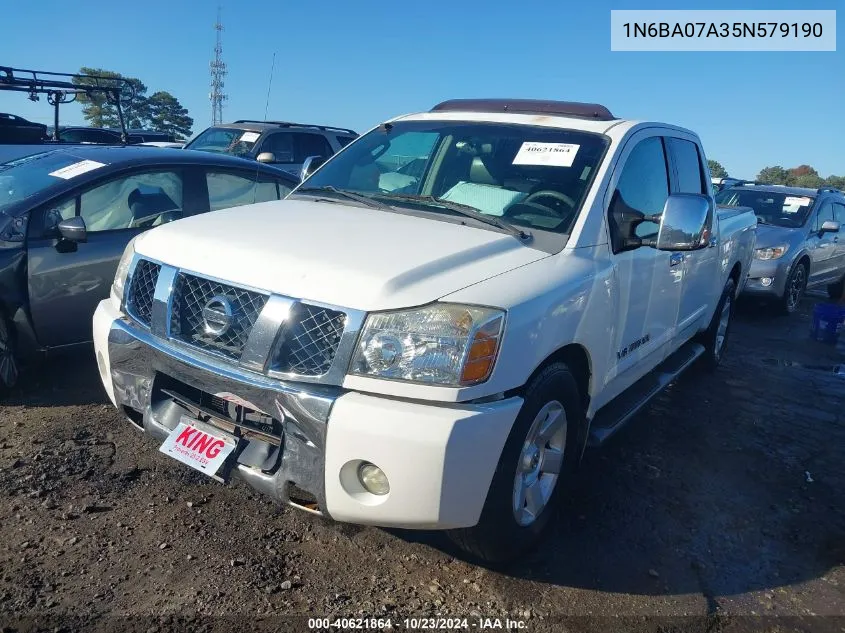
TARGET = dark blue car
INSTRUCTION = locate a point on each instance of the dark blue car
(66, 216)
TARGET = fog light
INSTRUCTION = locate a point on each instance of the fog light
(766, 281)
(373, 479)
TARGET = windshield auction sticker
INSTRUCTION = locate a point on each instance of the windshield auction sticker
(77, 169)
(249, 137)
(548, 154)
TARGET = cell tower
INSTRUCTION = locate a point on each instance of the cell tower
(218, 72)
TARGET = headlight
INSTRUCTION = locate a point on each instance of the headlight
(117, 286)
(443, 344)
(773, 252)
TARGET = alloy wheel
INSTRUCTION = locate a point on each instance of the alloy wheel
(540, 463)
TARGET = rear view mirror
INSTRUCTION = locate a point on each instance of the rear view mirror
(683, 224)
(73, 229)
(829, 226)
(311, 164)
(266, 157)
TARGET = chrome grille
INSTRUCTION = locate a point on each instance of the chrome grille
(139, 302)
(190, 296)
(310, 341)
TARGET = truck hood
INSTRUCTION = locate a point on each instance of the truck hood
(769, 235)
(345, 255)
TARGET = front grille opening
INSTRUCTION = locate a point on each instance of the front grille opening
(191, 294)
(139, 302)
(310, 341)
(134, 416)
(226, 415)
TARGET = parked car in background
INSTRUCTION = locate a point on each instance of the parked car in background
(721, 183)
(175, 145)
(66, 216)
(278, 143)
(111, 136)
(427, 332)
(15, 129)
(799, 245)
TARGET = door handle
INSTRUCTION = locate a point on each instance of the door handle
(675, 259)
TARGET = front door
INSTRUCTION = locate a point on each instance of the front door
(66, 279)
(648, 281)
(822, 246)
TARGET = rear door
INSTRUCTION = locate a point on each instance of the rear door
(822, 247)
(700, 287)
(66, 279)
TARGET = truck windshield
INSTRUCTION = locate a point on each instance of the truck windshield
(532, 177)
(778, 208)
(225, 140)
(24, 177)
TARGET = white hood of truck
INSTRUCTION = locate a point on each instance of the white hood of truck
(348, 256)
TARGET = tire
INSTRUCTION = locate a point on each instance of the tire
(507, 526)
(8, 359)
(796, 285)
(836, 291)
(715, 338)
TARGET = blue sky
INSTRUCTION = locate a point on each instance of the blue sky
(356, 64)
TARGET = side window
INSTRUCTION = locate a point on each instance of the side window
(824, 214)
(233, 190)
(644, 184)
(310, 145)
(688, 163)
(839, 213)
(281, 144)
(137, 201)
(345, 140)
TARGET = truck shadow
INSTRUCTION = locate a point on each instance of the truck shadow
(727, 483)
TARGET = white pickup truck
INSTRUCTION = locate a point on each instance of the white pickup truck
(431, 328)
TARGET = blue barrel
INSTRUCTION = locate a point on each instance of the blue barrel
(828, 319)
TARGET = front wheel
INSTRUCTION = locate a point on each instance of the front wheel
(796, 284)
(8, 360)
(536, 463)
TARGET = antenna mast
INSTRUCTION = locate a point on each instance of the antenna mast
(218, 72)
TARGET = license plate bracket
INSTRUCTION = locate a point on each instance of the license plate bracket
(200, 446)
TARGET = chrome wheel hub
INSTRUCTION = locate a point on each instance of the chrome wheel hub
(540, 463)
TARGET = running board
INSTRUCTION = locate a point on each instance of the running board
(611, 417)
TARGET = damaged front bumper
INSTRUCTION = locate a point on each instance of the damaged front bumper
(301, 444)
(282, 429)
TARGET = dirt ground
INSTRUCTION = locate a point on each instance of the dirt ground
(719, 508)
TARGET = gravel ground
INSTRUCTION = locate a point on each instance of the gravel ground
(718, 508)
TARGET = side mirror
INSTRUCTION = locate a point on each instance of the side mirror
(266, 157)
(683, 224)
(311, 164)
(73, 229)
(829, 226)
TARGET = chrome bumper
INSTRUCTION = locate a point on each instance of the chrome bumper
(140, 363)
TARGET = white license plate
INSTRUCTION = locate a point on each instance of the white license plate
(198, 447)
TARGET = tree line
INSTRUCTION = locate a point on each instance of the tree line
(160, 111)
(801, 176)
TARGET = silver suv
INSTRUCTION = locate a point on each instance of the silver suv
(279, 143)
(798, 240)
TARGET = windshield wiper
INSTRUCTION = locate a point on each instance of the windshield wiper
(464, 210)
(366, 200)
